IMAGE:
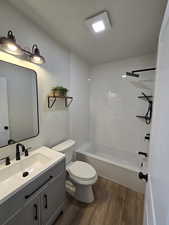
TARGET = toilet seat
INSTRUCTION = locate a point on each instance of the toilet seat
(82, 172)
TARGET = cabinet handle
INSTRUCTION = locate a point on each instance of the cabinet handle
(29, 195)
(36, 212)
(45, 201)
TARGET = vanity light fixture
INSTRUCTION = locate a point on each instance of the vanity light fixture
(99, 23)
(36, 56)
(9, 45)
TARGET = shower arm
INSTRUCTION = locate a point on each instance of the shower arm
(143, 70)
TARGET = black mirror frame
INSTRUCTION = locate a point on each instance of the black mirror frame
(37, 98)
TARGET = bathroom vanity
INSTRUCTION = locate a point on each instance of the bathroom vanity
(32, 187)
(35, 199)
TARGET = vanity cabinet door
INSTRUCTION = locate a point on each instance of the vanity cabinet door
(31, 212)
(29, 215)
(52, 199)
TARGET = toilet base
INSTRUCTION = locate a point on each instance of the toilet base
(82, 193)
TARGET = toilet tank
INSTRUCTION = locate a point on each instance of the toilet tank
(67, 147)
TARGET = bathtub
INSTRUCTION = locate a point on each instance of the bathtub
(119, 166)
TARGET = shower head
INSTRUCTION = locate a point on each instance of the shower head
(130, 74)
(134, 73)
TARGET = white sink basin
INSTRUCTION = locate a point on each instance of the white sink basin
(38, 161)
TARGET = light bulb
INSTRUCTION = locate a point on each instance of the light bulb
(12, 47)
(37, 59)
(98, 26)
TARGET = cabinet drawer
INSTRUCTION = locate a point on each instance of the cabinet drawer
(17, 201)
(37, 185)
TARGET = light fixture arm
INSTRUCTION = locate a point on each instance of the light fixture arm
(11, 36)
(35, 50)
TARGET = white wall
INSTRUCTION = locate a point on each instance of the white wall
(79, 111)
(54, 124)
(114, 105)
(157, 195)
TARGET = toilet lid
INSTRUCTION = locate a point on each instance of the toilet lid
(82, 170)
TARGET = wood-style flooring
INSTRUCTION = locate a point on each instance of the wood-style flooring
(114, 205)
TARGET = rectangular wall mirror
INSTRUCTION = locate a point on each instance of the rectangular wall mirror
(19, 118)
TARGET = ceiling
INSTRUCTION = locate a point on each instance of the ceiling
(135, 26)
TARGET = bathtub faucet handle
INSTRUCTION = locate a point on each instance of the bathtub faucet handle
(147, 136)
(143, 176)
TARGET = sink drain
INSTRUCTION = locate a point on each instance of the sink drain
(25, 174)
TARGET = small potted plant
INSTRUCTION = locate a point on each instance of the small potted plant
(59, 91)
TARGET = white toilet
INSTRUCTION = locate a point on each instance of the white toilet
(80, 175)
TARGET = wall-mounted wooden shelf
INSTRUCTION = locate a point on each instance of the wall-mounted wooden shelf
(52, 100)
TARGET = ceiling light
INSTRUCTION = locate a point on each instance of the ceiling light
(8, 44)
(98, 26)
(36, 56)
(99, 23)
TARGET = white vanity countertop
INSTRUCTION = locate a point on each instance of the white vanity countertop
(38, 162)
